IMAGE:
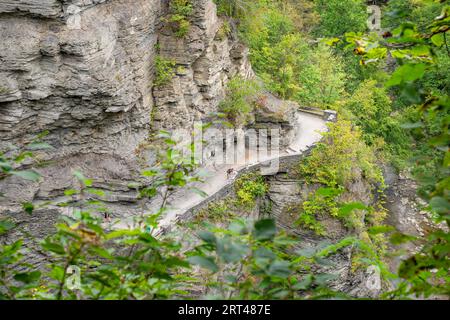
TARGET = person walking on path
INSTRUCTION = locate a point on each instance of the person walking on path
(231, 173)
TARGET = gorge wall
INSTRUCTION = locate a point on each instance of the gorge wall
(84, 71)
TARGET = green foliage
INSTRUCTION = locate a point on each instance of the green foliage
(279, 62)
(371, 106)
(180, 10)
(128, 264)
(3, 90)
(12, 161)
(252, 260)
(240, 99)
(338, 17)
(419, 12)
(165, 70)
(437, 78)
(111, 264)
(174, 170)
(249, 188)
(288, 65)
(224, 31)
(326, 202)
(334, 162)
(218, 211)
(233, 8)
(321, 202)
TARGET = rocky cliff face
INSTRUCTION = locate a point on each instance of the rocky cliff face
(83, 70)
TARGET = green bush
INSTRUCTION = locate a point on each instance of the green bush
(224, 31)
(218, 211)
(165, 71)
(233, 8)
(371, 109)
(319, 203)
(288, 64)
(249, 188)
(180, 10)
(334, 162)
(418, 11)
(239, 101)
(338, 17)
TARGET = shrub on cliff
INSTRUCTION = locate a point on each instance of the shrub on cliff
(239, 101)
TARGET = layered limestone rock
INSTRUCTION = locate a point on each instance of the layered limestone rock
(206, 58)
